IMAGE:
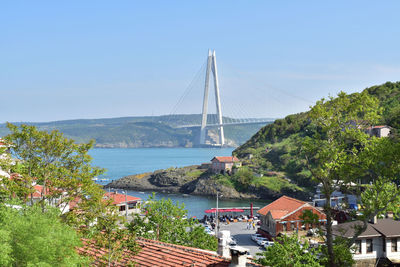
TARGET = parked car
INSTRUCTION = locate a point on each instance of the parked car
(255, 236)
(261, 241)
(232, 242)
(268, 244)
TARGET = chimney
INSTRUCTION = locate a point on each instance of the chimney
(238, 256)
(223, 243)
(375, 219)
(389, 214)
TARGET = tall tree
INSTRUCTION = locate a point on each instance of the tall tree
(341, 154)
(55, 162)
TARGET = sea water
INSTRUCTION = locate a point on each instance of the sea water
(120, 162)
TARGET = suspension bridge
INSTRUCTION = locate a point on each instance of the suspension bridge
(217, 120)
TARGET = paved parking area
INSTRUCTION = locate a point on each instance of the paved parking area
(243, 236)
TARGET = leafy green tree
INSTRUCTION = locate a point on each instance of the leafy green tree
(166, 221)
(58, 164)
(242, 178)
(290, 252)
(340, 154)
(33, 238)
(64, 170)
(109, 233)
(309, 218)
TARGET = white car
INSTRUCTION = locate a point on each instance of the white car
(268, 244)
(261, 241)
(255, 236)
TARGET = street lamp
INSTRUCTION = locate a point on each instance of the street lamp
(217, 215)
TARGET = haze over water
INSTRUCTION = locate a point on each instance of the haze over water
(123, 162)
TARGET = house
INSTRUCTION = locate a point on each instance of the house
(126, 204)
(380, 242)
(156, 253)
(338, 199)
(55, 201)
(224, 165)
(283, 215)
(379, 131)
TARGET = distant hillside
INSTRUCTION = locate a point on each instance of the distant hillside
(275, 146)
(148, 131)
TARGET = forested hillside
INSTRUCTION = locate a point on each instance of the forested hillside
(276, 146)
(149, 131)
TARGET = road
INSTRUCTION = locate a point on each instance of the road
(243, 236)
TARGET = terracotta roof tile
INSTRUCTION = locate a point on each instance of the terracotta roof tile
(226, 159)
(281, 207)
(120, 198)
(156, 253)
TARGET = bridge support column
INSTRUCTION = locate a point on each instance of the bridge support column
(203, 130)
(211, 66)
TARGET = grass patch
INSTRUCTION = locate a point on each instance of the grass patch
(275, 183)
(140, 176)
(224, 180)
(195, 173)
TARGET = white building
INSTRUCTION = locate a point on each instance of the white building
(378, 243)
(338, 199)
(126, 204)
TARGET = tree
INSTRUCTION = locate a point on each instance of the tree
(166, 221)
(30, 237)
(242, 178)
(340, 154)
(289, 252)
(55, 162)
(109, 233)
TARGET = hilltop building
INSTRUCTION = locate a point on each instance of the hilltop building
(224, 165)
(283, 215)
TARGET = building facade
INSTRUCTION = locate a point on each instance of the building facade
(284, 215)
(380, 242)
(224, 165)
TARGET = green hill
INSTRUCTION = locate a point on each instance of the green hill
(276, 146)
(147, 131)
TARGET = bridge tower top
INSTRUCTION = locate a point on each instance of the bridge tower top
(211, 68)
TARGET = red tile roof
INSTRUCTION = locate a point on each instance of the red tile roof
(156, 253)
(38, 191)
(281, 207)
(120, 198)
(226, 159)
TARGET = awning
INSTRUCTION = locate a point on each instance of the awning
(223, 210)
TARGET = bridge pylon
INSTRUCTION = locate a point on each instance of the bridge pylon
(211, 68)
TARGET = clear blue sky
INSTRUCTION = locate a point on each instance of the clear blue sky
(95, 59)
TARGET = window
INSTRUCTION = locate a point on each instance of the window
(357, 246)
(132, 205)
(369, 246)
(292, 226)
(284, 227)
(122, 208)
(394, 244)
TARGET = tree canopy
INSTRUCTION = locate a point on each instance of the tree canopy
(30, 237)
(166, 221)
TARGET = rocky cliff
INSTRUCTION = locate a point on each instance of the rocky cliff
(195, 181)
